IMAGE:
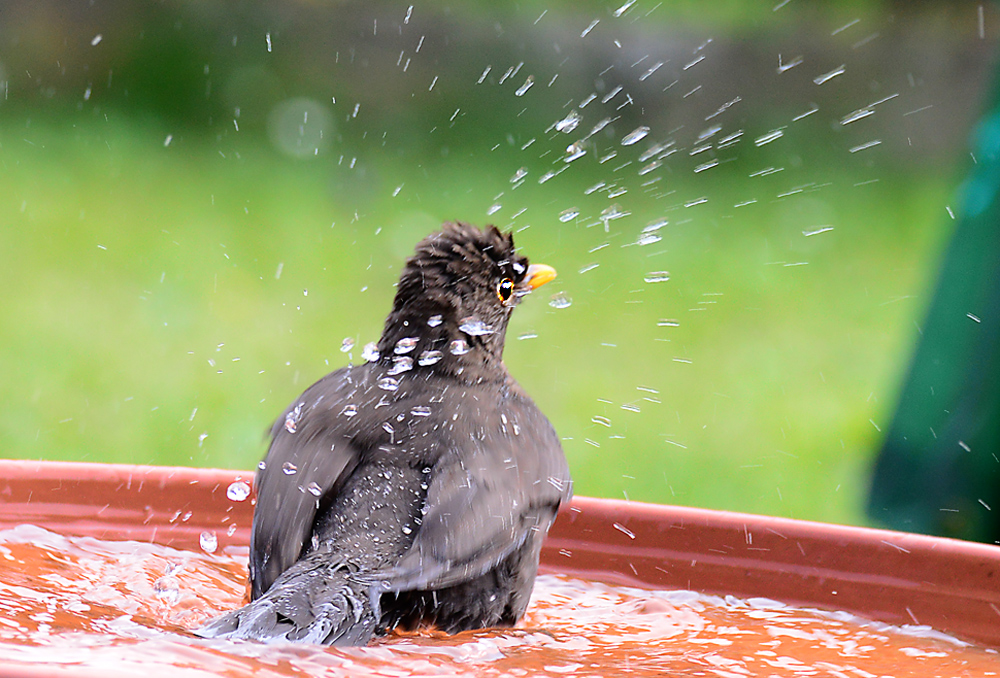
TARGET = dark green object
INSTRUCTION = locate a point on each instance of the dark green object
(939, 470)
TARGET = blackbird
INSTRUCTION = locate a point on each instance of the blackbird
(415, 489)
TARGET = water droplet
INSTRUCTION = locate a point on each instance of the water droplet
(347, 344)
(314, 489)
(349, 410)
(405, 345)
(603, 421)
(289, 469)
(654, 226)
(769, 137)
(569, 215)
(493, 209)
(589, 28)
(574, 151)
(370, 352)
(560, 300)
(421, 411)
(458, 347)
(527, 335)
(388, 384)
(519, 174)
(636, 135)
(209, 542)
(474, 327)
(525, 87)
(292, 419)
(238, 491)
(613, 212)
(400, 364)
(648, 239)
(646, 169)
(657, 277)
(668, 322)
(387, 427)
(599, 126)
(624, 8)
(261, 465)
(429, 358)
(407, 529)
(655, 149)
(569, 123)
(434, 321)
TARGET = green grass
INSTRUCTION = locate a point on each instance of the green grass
(145, 320)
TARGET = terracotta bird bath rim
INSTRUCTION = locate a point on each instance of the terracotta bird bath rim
(893, 577)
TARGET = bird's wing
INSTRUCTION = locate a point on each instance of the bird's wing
(310, 455)
(485, 500)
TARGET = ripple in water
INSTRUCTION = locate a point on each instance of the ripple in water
(94, 604)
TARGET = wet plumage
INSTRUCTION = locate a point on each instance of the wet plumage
(416, 488)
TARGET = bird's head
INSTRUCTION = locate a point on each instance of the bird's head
(456, 295)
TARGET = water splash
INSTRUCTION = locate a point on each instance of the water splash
(429, 358)
(292, 419)
(569, 215)
(475, 327)
(773, 135)
(238, 491)
(370, 352)
(405, 345)
(388, 384)
(635, 136)
(574, 151)
(209, 542)
(569, 123)
(560, 300)
(400, 364)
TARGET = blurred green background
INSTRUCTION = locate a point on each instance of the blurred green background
(199, 202)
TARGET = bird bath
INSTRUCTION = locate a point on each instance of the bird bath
(899, 579)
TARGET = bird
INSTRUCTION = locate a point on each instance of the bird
(414, 489)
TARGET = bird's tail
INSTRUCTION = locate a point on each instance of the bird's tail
(324, 604)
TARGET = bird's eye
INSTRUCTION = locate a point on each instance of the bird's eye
(505, 288)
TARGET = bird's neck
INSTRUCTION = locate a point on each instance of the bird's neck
(413, 342)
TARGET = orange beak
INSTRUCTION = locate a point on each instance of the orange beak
(538, 275)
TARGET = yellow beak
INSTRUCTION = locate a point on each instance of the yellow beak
(538, 275)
